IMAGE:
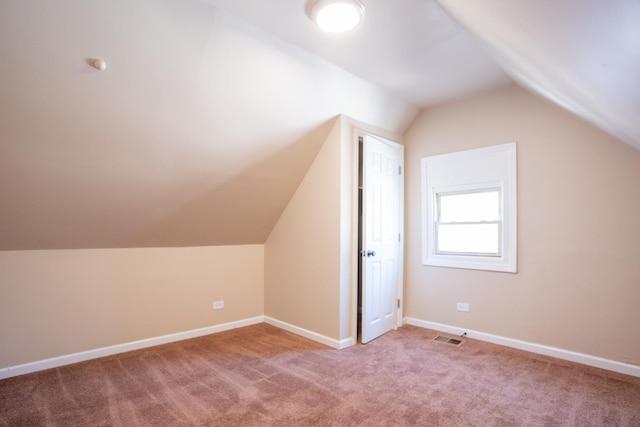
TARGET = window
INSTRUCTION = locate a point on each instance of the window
(469, 223)
(469, 209)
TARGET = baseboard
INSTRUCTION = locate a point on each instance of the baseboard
(585, 359)
(27, 368)
(322, 339)
(55, 362)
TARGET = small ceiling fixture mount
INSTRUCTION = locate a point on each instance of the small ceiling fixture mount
(336, 16)
(97, 63)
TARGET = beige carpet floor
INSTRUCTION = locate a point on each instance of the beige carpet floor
(263, 376)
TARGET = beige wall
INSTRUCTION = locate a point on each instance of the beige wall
(310, 255)
(57, 302)
(578, 281)
(577, 287)
(302, 253)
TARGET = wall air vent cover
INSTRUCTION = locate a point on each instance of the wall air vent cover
(446, 340)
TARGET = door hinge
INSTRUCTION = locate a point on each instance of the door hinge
(399, 170)
(398, 302)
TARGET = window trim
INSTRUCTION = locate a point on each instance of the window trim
(469, 170)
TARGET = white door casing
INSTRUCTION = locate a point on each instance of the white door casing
(382, 235)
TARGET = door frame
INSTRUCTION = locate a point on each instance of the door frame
(356, 237)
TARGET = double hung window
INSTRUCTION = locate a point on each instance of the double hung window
(469, 209)
(469, 222)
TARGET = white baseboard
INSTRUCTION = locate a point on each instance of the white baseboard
(585, 359)
(337, 344)
(55, 362)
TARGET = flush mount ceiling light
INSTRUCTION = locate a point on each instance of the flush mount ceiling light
(336, 16)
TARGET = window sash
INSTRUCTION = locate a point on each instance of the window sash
(472, 238)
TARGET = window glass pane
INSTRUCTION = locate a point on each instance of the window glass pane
(469, 207)
(469, 238)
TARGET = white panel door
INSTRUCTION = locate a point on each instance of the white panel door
(381, 244)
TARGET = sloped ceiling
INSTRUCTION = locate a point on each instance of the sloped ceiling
(210, 111)
(583, 55)
(197, 133)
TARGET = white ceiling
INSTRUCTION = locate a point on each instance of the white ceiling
(210, 111)
(410, 47)
(583, 55)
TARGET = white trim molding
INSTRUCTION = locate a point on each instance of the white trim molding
(68, 359)
(314, 336)
(585, 359)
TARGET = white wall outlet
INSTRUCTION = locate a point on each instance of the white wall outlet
(218, 305)
(462, 306)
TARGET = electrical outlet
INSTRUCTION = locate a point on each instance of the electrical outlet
(462, 306)
(218, 305)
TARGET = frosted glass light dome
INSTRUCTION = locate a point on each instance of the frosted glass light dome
(337, 16)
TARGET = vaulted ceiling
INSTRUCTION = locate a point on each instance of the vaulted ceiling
(583, 55)
(210, 112)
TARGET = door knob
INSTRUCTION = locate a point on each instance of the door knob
(371, 253)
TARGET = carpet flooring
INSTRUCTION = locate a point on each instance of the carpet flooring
(263, 376)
